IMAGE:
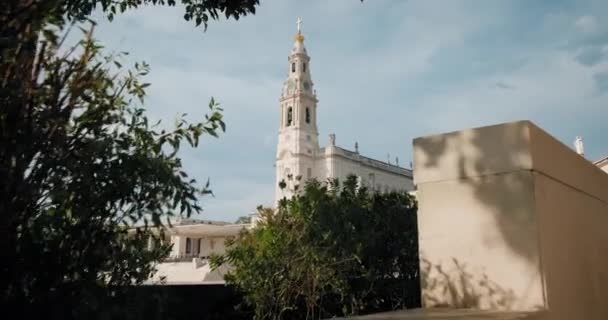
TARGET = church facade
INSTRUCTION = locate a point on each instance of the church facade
(299, 154)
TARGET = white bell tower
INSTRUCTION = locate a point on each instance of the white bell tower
(298, 143)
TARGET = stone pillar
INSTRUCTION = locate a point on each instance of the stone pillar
(178, 245)
(511, 219)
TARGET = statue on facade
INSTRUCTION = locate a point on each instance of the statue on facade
(578, 145)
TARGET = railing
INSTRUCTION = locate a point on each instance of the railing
(375, 163)
(185, 258)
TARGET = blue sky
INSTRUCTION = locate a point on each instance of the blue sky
(385, 71)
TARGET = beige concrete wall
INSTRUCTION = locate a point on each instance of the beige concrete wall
(574, 250)
(511, 219)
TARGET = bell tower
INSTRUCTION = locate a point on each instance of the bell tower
(298, 143)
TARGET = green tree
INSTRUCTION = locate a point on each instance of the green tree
(331, 250)
(21, 24)
(22, 20)
(95, 166)
(79, 162)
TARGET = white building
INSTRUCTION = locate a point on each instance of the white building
(194, 241)
(298, 151)
(298, 154)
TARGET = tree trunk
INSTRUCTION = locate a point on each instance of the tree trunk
(20, 23)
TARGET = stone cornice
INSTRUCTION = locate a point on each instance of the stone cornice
(601, 161)
(368, 162)
(291, 154)
(299, 94)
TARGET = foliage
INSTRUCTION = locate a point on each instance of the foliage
(18, 13)
(330, 250)
(82, 163)
(79, 162)
(22, 21)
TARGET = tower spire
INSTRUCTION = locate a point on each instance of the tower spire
(298, 141)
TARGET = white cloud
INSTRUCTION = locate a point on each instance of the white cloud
(587, 24)
(385, 72)
(549, 89)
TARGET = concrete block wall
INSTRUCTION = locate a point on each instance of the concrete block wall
(511, 219)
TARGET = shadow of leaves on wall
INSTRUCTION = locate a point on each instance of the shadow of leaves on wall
(453, 285)
(483, 163)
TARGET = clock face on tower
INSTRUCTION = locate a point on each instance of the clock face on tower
(290, 87)
(306, 85)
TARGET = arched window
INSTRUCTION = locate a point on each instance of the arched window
(293, 67)
(304, 67)
(289, 116)
(307, 115)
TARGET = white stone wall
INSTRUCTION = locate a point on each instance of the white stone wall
(383, 180)
(212, 245)
(340, 168)
(331, 164)
(179, 246)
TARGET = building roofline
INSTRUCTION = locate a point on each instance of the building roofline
(371, 162)
(601, 160)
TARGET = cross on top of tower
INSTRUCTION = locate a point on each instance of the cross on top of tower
(299, 37)
(299, 24)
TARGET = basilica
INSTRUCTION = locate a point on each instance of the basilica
(299, 157)
(298, 152)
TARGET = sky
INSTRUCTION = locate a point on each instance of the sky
(385, 71)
